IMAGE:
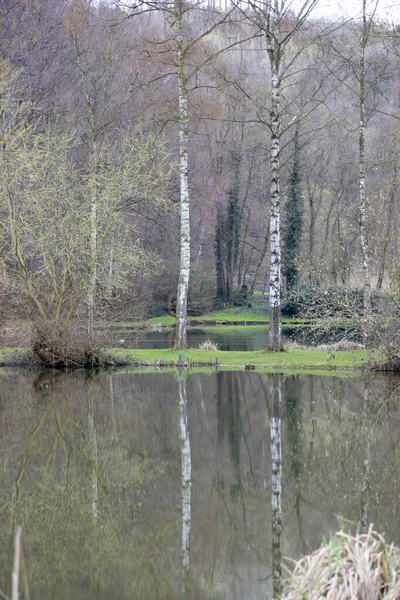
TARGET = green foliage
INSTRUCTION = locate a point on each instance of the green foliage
(62, 223)
(240, 296)
(293, 222)
(202, 289)
(227, 239)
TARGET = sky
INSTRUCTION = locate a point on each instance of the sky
(389, 10)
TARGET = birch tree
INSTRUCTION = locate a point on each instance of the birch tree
(278, 24)
(183, 120)
(180, 47)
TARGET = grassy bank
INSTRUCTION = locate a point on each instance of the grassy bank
(228, 316)
(290, 359)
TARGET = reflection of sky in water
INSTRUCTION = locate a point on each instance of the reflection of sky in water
(94, 468)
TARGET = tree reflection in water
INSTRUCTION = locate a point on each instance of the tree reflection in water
(186, 479)
(275, 398)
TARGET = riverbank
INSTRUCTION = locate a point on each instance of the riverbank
(291, 359)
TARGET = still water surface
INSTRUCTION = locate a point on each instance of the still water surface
(244, 339)
(158, 486)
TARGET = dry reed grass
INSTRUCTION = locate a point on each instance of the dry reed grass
(208, 345)
(360, 567)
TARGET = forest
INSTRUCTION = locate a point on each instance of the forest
(175, 157)
(199, 233)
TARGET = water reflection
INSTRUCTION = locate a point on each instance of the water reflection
(186, 469)
(275, 397)
(367, 458)
(249, 338)
(105, 481)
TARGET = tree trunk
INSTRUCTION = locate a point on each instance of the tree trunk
(388, 227)
(361, 184)
(184, 271)
(275, 329)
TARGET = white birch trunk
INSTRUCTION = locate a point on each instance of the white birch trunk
(275, 328)
(361, 184)
(186, 480)
(276, 482)
(184, 271)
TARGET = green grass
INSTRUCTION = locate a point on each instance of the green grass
(290, 359)
(233, 314)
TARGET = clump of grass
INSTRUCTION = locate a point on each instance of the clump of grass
(363, 566)
(209, 345)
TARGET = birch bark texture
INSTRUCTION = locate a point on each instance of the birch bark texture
(275, 276)
(183, 119)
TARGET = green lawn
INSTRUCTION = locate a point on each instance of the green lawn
(290, 359)
(233, 314)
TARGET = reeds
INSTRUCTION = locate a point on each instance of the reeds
(208, 345)
(360, 567)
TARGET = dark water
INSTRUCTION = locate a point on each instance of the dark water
(158, 486)
(240, 339)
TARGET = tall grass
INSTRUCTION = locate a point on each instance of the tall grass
(360, 567)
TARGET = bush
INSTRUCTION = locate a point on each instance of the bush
(240, 296)
(67, 348)
(318, 301)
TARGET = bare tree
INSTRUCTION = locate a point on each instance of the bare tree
(279, 24)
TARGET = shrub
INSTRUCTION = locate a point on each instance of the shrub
(323, 302)
(70, 347)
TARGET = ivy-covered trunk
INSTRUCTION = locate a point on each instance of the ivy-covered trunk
(293, 223)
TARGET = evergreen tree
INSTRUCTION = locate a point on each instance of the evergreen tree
(293, 224)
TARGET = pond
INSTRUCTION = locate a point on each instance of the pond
(153, 486)
(243, 339)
